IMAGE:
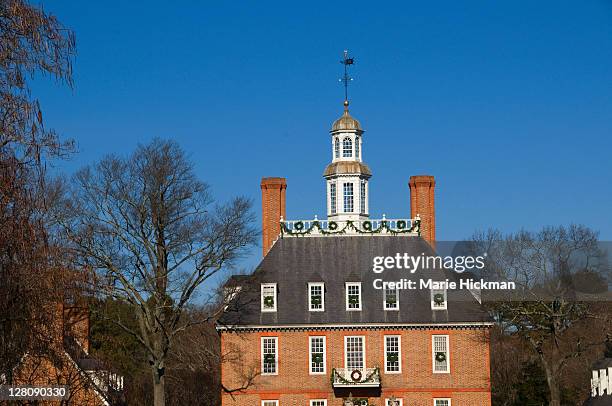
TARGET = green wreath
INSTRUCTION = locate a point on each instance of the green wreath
(391, 300)
(317, 358)
(269, 359)
(440, 356)
(392, 357)
(401, 224)
(299, 225)
(438, 298)
(315, 300)
(332, 225)
(268, 301)
(353, 300)
(367, 225)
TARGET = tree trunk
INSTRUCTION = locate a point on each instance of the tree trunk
(159, 387)
(552, 369)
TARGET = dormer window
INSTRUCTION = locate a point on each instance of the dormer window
(337, 147)
(438, 299)
(353, 296)
(316, 296)
(268, 297)
(391, 299)
(347, 148)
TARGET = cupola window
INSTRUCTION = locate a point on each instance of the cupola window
(348, 197)
(357, 148)
(347, 148)
(332, 198)
(337, 148)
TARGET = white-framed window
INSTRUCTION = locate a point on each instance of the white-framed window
(354, 352)
(269, 355)
(393, 354)
(357, 148)
(318, 402)
(438, 299)
(440, 354)
(394, 402)
(332, 198)
(348, 197)
(269, 403)
(317, 355)
(362, 196)
(268, 297)
(316, 296)
(353, 296)
(337, 148)
(391, 299)
(442, 402)
(347, 148)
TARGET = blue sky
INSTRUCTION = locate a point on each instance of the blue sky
(508, 104)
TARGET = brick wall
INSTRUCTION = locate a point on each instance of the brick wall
(422, 196)
(273, 208)
(468, 383)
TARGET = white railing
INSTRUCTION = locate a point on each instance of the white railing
(316, 227)
(601, 384)
(360, 377)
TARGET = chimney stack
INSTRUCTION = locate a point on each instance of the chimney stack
(272, 209)
(422, 203)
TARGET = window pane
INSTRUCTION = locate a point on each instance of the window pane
(392, 353)
(353, 296)
(269, 355)
(337, 148)
(348, 197)
(357, 147)
(332, 197)
(440, 347)
(362, 195)
(347, 148)
(317, 354)
(354, 353)
(316, 297)
(442, 402)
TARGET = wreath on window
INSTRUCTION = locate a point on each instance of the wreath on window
(317, 358)
(269, 359)
(367, 225)
(401, 224)
(440, 356)
(356, 375)
(332, 225)
(315, 300)
(438, 298)
(391, 300)
(299, 225)
(353, 300)
(269, 301)
(392, 357)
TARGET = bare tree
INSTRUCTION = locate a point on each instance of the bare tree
(145, 224)
(546, 310)
(33, 273)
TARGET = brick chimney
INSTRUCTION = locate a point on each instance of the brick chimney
(422, 203)
(272, 209)
(76, 324)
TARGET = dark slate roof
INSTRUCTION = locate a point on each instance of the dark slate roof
(293, 262)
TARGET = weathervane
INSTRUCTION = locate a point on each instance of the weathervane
(346, 79)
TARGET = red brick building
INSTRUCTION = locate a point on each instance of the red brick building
(311, 327)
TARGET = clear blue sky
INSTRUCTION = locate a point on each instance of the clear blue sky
(507, 103)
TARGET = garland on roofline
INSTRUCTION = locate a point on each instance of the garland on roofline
(333, 228)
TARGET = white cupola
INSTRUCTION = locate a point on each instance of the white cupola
(347, 176)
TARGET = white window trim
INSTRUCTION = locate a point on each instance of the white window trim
(387, 400)
(399, 353)
(397, 302)
(433, 355)
(433, 305)
(263, 308)
(312, 401)
(346, 295)
(448, 399)
(263, 402)
(324, 355)
(363, 342)
(275, 358)
(322, 285)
